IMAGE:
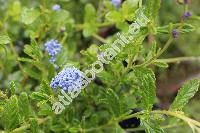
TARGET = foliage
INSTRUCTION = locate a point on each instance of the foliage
(85, 29)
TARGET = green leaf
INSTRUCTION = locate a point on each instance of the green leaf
(33, 50)
(109, 5)
(90, 53)
(16, 7)
(38, 64)
(151, 126)
(146, 80)
(114, 16)
(45, 88)
(28, 16)
(32, 73)
(60, 16)
(161, 64)
(15, 10)
(24, 108)
(45, 109)
(128, 9)
(113, 102)
(36, 49)
(89, 29)
(4, 39)
(185, 28)
(39, 96)
(122, 26)
(62, 57)
(10, 115)
(152, 52)
(34, 125)
(12, 87)
(107, 77)
(186, 92)
(90, 14)
(90, 26)
(28, 50)
(152, 7)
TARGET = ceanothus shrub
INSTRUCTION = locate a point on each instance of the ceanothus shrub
(47, 45)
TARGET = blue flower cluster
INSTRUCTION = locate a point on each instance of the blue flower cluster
(53, 47)
(174, 33)
(56, 7)
(186, 15)
(116, 3)
(68, 79)
(186, 1)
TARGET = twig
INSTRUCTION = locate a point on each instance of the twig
(166, 112)
(149, 62)
(17, 56)
(22, 128)
(82, 26)
(99, 38)
(163, 127)
(177, 115)
(179, 59)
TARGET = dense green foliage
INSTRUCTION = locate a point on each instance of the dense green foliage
(85, 28)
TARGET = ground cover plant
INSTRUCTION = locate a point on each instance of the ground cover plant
(77, 66)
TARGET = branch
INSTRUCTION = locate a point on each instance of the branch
(99, 25)
(179, 59)
(149, 62)
(170, 113)
(163, 127)
(177, 115)
(27, 126)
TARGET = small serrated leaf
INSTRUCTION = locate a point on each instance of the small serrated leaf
(4, 39)
(186, 92)
(28, 16)
(45, 88)
(32, 73)
(90, 14)
(89, 29)
(12, 87)
(34, 125)
(39, 96)
(114, 16)
(128, 9)
(33, 50)
(38, 64)
(60, 16)
(151, 126)
(24, 108)
(90, 26)
(146, 79)
(161, 64)
(10, 115)
(113, 102)
(152, 7)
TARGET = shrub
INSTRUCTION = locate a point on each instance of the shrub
(89, 66)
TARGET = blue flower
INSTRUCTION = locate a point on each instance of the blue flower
(186, 1)
(62, 29)
(174, 33)
(186, 15)
(116, 3)
(53, 47)
(102, 54)
(68, 79)
(56, 7)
